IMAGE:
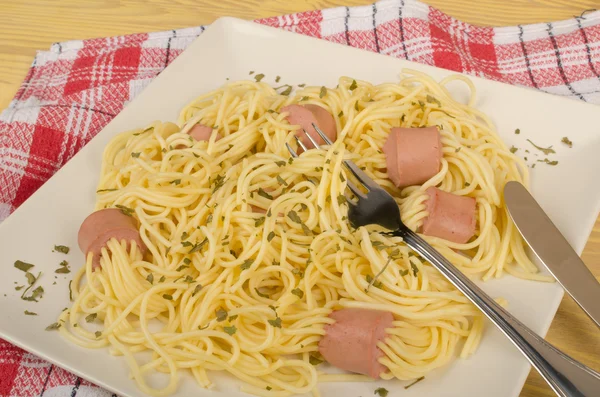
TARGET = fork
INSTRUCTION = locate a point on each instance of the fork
(375, 206)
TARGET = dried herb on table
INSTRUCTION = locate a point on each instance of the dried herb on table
(415, 382)
(546, 151)
(23, 266)
(567, 141)
(382, 392)
(63, 249)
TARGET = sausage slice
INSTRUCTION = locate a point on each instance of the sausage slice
(201, 132)
(351, 342)
(413, 155)
(304, 116)
(451, 217)
(101, 226)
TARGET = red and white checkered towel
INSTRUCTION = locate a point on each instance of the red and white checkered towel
(72, 91)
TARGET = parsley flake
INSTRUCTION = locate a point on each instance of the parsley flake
(230, 330)
(63, 249)
(221, 315)
(23, 266)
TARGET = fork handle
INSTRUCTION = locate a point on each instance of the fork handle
(566, 376)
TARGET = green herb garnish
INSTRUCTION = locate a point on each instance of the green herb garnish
(294, 217)
(287, 91)
(230, 330)
(271, 236)
(555, 162)
(353, 85)
(513, 149)
(175, 182)
(280, 163)
(91, 317)
(281, 180)
(323, 92)
(168, 297)
(53, 327)
(518, 131)
(341, 199)
(380, 391)
(276, 323)
(546, 151)
(432, 99)
(567, 141)
(197, 289)
(298, 292)
(125, 210)
(135, 155)
(62, 270)
(198, 247)
(63, 249)
(264, 194)
(106, 190)
(221, 315)
(247, 263)
(150, 278)
(28, 313)
(414, 268)
(415, 382)
(23, 266)
(98, 334)
(372, 281)
(218, 182)
(259, 77)
(258, 222)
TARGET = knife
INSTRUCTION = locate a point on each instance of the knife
(550, 246)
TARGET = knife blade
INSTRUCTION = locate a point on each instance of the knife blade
(550, 246)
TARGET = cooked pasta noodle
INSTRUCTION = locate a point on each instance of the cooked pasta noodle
(225, 287)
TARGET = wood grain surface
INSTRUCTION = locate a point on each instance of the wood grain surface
(27, 26)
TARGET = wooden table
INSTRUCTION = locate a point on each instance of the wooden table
(27, 26)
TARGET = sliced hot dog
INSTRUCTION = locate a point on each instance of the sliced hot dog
(305, 116)
(413, 155)
(101, 226)
(201, 132)
(351, 342)
(451, 217)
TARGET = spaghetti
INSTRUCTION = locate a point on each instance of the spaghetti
(225, 287)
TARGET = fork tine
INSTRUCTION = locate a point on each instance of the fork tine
(357, 172)
(357, 192)
(292, 151)
(310, 138)
(302, 145)
(321, 134)
(361, 175)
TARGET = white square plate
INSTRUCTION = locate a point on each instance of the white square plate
(229, 49)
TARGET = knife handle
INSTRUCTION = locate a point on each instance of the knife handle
(566, 376)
